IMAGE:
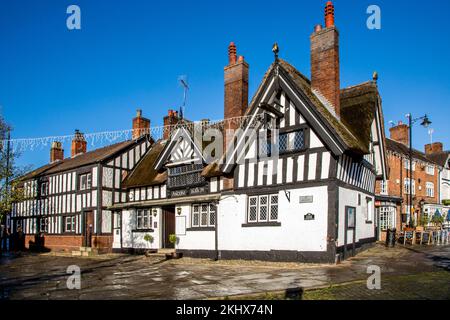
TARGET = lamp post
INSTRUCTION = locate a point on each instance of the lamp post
(425, 123)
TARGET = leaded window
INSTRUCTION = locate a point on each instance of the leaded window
(263, 208)
(186, 175)
(291, 141)
(203, 215)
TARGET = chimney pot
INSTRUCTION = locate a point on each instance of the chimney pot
(317, 28)
(232, 54)
(329, 14)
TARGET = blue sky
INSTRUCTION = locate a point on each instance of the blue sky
(129, 54)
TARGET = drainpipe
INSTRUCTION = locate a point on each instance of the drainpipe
(216, 233)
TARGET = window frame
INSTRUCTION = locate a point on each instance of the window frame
(290, 141)
(429, 186)
(146, 214)
(197, 213)
(87, 185)
(72, 223)
(269, 205)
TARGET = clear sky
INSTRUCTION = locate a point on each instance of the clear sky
(129, 55)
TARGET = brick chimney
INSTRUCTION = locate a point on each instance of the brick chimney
(436, 147)
(56, 152)
(78, 144)
(325, 77)
(141, 125)
(400, 133)
(236, 87)
(170, 120)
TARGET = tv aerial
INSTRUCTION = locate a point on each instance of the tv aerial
(184, 83)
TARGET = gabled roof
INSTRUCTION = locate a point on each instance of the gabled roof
(400, 148)
(441, 158)
(340, 127)
(35, 173)
(181, 133)
(145, 174)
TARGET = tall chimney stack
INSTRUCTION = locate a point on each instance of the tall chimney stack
(236, 87)
(400, 133)
(436, 147)
(78, 144)
(141, 125)
(170, 120)
(56, 152)
(325, 77)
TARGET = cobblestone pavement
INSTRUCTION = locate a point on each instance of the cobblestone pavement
(139, 277)
(424, 286)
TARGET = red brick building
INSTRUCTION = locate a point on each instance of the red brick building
(392, 195)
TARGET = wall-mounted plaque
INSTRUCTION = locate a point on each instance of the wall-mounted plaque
(306, 199)
(179, 193)
(309, 216)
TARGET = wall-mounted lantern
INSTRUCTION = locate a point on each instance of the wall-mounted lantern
(179, 210)
(155, 212)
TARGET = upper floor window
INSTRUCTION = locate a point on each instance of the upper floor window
(430, 169)
(203, 215)
(410, 187)
(430, 189)
(186, 175)
(291, 141)
(407, 165)
(263, 208)
(85, 181)
(144, 219)
(44, 188)
(384, 187)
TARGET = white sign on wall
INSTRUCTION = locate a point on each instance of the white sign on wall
(180, 226)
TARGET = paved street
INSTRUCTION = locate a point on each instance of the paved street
(139, 277)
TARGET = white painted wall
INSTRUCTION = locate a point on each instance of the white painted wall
(294, 233)
(136, 240)
(349, 197)
(192, 240)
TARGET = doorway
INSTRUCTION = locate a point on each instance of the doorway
(88, 228)
(168, 226)
(350, 232)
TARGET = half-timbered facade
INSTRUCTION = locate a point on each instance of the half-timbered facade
(66, 202)
(297, 178)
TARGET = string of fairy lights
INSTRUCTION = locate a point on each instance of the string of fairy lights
(109, 137)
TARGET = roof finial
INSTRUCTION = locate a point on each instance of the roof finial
(375, 76)
(275, 51)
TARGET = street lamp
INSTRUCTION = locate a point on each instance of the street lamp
(425, 123)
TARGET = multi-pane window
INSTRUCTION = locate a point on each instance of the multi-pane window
(430, 189)
(186, 175)
(386, 216)
(69, 224)
(384, 187)
(430, 170)
(292, 141)
(43, 227)
(203, 215)
(407, 165)
(144, 219)
(85, 181)
(44, 188)
(410, 187)
(263, 208)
